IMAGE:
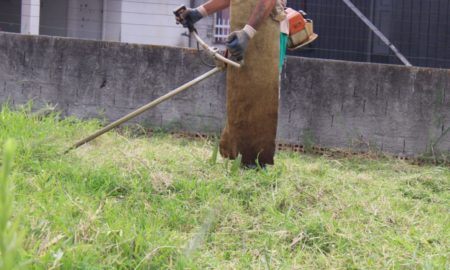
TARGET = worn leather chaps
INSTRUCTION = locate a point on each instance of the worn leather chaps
(253, 92)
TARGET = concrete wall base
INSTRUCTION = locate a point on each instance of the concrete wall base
(394, 109)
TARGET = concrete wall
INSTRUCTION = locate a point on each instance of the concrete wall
(396, 109)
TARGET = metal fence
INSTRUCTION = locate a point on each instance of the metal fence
(420, 29)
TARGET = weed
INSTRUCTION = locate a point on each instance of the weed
(129, 202)
(215, 153)
(236, 165)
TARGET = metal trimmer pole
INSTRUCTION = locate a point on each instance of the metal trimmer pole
(145, 108)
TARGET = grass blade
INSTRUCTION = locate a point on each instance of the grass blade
(8, 240)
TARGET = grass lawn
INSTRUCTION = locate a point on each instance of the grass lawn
(159, 202)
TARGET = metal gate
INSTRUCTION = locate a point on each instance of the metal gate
(419, 28)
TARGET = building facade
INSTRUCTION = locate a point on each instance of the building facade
(143, 21)
(420, 29)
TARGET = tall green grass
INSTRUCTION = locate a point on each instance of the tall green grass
(127, 202)
(9, 238)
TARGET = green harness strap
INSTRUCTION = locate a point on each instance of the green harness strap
(283, 47)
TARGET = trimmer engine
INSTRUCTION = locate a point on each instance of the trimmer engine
(301, 31)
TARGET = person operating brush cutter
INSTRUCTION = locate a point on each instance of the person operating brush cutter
(252, 90)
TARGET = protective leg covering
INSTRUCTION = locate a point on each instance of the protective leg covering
(253, 93)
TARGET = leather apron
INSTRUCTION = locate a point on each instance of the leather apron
(253, 92)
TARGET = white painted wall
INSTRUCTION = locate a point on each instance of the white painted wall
(85, 19)
(150, 22)
(30, 17)
(112, 20)
(93, 19)
(142, 21)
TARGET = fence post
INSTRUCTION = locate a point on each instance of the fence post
(377, 32)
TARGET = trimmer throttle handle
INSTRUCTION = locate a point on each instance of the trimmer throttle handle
(178, 12)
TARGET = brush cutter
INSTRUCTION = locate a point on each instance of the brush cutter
(221, 63)
(301, 34)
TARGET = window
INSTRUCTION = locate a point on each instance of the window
(222, 26)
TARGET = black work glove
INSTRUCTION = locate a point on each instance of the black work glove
(237, 42)
(190, 17)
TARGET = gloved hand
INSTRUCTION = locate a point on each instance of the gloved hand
(191, 16)
(237, 42)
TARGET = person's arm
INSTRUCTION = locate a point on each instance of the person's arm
(261, 11)
(193, 15)
(237, 42)
(212, 6)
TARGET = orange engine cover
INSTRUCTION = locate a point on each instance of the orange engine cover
(296, 21)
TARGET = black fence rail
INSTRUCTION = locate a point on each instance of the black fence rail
(420, 29)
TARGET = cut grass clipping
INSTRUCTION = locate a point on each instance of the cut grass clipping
(127, 202)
